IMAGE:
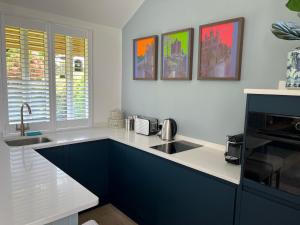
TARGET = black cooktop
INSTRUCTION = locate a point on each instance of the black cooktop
(176, 147)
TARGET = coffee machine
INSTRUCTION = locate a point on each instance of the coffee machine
(234, 146)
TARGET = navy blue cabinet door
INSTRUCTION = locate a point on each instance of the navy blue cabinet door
(88, 164)
(57, 155)
(155, 191)
(262, 211)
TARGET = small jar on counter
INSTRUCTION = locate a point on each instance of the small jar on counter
(129, 124)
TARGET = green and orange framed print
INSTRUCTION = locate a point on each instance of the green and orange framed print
(145, 58)
(220, 50)
(177, 55)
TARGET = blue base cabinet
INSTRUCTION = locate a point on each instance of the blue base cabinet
(149, 189)
(260, 210)
(155, 191)
(56, 155)
(87, 163)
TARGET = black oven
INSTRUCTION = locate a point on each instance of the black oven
(272, 151)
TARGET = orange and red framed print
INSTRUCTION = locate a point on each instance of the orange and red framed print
(145, 58)
(220, 50)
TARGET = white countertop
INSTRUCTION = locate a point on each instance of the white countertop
(288, 92)
(35, 192)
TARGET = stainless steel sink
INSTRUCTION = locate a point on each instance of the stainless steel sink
(27, 141)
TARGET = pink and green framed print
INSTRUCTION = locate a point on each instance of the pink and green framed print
(177, 55)
(220, 50)
(145, 58)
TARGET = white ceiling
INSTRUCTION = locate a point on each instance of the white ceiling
(114, 13)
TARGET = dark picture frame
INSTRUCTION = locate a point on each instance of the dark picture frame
(225, 61)
(180, 55)
(147, 70)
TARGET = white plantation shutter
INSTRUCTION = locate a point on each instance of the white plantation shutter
(27, 74)
(71, 78)
(47, 66)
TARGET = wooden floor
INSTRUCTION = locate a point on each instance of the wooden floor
(106, 215)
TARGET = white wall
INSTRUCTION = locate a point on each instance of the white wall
(107, 58)
(206, 109)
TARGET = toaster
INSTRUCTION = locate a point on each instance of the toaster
(146, 125)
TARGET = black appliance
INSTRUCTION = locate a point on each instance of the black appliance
(176, 147)
(234, 147)
(272, 151)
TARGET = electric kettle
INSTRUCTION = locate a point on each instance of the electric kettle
(168, 130)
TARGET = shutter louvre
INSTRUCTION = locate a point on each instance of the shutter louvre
(27, 74)
(71, 73)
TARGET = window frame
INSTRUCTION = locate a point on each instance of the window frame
(51, 29)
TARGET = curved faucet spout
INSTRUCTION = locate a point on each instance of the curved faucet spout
(22, 127)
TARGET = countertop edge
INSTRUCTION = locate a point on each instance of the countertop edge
(56, 217)
(181, 162)
(287, 92)
(212, 146)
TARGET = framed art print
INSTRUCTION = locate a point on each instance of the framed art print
(177, 55)
(220, 50)
(145, 58)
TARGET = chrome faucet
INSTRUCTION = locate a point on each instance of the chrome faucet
(22, 126)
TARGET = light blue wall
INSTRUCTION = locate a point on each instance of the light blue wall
(206, 109)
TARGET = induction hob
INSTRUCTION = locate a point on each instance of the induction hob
(176, 147)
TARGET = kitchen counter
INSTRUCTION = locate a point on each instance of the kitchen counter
(35, 192)
(208, 159)
(287, 92)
